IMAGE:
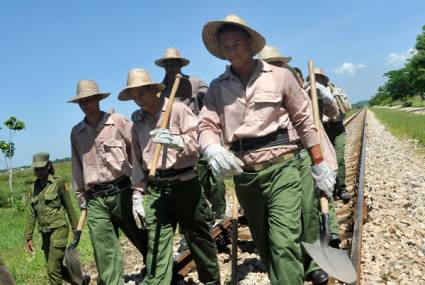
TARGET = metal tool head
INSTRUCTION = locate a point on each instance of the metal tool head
(333, 261)
(72, 263)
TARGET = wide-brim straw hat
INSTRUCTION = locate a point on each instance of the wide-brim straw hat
(40, 159)
(87, 88)
(171, 54)
(211, 42)
(272, 54)
(320, 72)
(138, 77)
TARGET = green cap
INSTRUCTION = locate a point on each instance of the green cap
(40, 159)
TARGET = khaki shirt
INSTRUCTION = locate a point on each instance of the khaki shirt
(182, 122)
(199, 89)
(271, 100)
(100, 154)
(48, 207)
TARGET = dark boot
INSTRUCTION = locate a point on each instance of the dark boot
(318, 277)
(334, 241)
(86, 280)
(344, 195)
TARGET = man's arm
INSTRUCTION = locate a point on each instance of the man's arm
(77, 173)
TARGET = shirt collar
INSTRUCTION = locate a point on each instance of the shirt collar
(261, 66)
(106, 120)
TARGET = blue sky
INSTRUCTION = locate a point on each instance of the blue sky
(47, 46)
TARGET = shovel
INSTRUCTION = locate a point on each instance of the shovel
(333, 261)
(72, 259)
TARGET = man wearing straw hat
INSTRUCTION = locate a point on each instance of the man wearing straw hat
(173, 62)
(174, 195)
(252, 104)
(101, 170)
(332, 118)
(309, 202)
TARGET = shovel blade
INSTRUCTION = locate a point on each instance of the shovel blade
(72, 263)
(333, 261)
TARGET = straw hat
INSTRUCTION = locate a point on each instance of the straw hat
(40, 159)
(321, 72)
(271, 54)
(171, 53)
(209, 35)
(87, 88)
(138, 77)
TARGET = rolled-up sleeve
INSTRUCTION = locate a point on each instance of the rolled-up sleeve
(209, 121)
(295, 102)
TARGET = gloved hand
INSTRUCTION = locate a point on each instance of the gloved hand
(222, 162)
(324, 94)
(324, 179)
(163, 136)
(76, 240)
(138, 210)
(325, 233)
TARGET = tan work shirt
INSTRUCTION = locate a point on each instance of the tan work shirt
(182, 122)
(100, 154)
(271, 100)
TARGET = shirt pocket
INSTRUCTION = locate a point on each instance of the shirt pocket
(114, 150)
(52, 199)
(267, 105)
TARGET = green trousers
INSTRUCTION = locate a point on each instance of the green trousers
(107, 214)
(271, 199)
(185, 204)
(310, 214)
(214, 189)
(339, 144)
(53, 245)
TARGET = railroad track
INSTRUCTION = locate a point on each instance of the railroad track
(350, 216)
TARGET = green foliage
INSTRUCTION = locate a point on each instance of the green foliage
(406, 82)
(7, 148)
(402, 124)
(14, 124)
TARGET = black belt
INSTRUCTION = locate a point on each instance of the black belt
(170, 173)
(279, 137)
(110, 188)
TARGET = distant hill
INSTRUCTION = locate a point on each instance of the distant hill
(360, 104)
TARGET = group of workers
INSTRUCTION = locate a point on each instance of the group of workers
(253, 123)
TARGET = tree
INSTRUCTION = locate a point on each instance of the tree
(8, 149)
(399, 83)
(417, 63)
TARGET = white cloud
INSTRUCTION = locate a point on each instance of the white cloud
(398, 59)
(349, 68)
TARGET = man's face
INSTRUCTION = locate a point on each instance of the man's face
(89, 105)
(144, 96)
(172, 67)
(41, 172)
(236, 47)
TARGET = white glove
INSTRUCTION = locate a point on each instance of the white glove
(163, 136)
(82, 202)
(138, 210)
(324, 94)
(222, 162)
(324, 179)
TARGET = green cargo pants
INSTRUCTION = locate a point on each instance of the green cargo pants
(53, 245)
(185, 204)
(339, 144)
(214, 189)
(105, 215)
(271, 199)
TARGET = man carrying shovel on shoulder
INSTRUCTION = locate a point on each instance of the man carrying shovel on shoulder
(252, 104)
(172, 194)
(101, 170)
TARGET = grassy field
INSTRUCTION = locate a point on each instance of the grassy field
(28, 269)
(403, 124)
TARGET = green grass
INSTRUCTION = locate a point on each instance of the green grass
(402, 124)
(28, 269)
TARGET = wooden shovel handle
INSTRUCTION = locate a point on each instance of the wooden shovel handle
(164, 125)
(82, 219)
(338, 99)
(324, 203)
(235, 205)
